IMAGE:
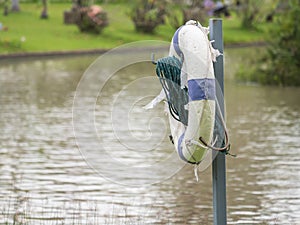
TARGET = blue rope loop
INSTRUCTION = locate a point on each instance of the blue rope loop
(168, 70)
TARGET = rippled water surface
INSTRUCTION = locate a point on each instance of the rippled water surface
(126, 172)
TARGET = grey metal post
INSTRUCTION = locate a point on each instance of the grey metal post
(219, 163)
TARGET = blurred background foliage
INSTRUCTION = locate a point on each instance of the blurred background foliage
(279, 66)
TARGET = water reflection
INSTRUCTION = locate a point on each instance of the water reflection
(265, 123)
(44, 180)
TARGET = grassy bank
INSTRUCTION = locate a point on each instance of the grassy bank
(28, 33)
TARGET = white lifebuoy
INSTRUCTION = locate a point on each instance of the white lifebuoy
(191, 42)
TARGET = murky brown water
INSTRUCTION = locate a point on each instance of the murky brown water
(44, 179)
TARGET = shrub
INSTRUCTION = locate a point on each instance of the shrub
(281, 64)
(147, 14)
(254, 11)
(91, 19)
(181, 12)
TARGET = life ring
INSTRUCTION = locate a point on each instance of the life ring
(190, 46)
(190, 43)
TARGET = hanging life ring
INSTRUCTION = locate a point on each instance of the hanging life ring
(188, 81)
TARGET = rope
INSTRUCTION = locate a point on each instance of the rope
(226, 147)
(227, 144)
(168, 69)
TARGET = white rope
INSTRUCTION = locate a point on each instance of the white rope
(196, 172)
(161, 96)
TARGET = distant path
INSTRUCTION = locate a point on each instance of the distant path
(101, 51)
(52, 53)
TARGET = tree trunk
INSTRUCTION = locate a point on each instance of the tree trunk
(15, 6)
(44, 14)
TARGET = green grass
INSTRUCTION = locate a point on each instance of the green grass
(235, 34)
(53, 35)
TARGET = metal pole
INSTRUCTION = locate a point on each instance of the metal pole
(219, 163)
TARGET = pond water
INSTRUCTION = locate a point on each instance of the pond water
(123, 170)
